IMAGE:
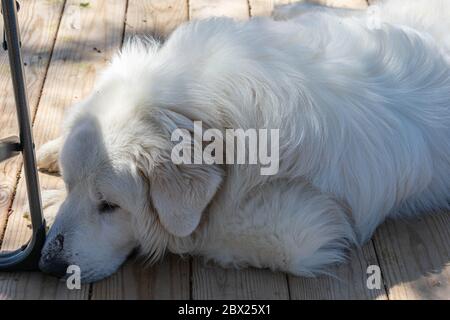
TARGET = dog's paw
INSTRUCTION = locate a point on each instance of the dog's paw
(51, 201)
(47, 156)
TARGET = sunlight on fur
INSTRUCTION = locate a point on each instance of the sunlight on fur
(364, 119)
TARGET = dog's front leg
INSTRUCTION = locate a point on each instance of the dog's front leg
(51, 201)
(47, 155)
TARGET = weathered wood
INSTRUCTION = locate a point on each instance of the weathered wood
(200, 9)
(166, 280)
(213, 282)
(346, 281)
(155, 17)
(39, 22)
(170, 279)
(264, 7)
(414, 256)
(87, 37)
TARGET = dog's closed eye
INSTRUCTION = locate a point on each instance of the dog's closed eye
(106, 207)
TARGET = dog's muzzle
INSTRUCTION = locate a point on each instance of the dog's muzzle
(51, 260)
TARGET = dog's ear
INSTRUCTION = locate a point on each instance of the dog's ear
(180, 194)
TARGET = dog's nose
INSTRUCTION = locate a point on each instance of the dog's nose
(51, 261)
(57, 268)
(53, 248)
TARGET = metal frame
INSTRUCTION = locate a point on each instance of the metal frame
(27, 257)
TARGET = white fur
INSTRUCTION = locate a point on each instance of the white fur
(364, 119)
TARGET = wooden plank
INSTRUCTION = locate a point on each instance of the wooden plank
(264, 7)
(346, 281)
(166, 280)
(212, 282)
(70, 76)
(155, 17)
(170, 279)
(201, 9)
(29, 285)
(414, 256)
(39, 22)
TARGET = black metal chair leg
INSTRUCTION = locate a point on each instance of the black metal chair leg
(27, 257)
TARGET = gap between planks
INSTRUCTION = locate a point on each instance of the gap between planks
(69, 77)
(35, 68)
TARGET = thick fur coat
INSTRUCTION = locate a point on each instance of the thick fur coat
(362, 103)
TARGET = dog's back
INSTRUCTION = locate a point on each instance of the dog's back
(431, 16)
(364, 112)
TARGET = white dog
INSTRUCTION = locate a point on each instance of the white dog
(362, 101)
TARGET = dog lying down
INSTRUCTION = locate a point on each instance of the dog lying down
(363, 112)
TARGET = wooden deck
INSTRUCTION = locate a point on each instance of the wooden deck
(65, 43)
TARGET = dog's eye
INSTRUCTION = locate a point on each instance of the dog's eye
(105, 207)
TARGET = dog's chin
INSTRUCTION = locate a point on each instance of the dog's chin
(95, 277)
(98, 274)
(91, 276)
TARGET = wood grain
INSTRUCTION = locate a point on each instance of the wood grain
(415, 257)
(39, 22)
(71, 74)
(346, 282)
(170, 279)
(201, 9)
(213, 282)
(264, 7)
(155, 17)
(166, 280)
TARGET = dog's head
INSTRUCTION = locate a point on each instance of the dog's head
(123, 191)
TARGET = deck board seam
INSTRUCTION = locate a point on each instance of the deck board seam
(124, 31)
(10, 204)
(191, 279)
(377, 256)
(288, 286)
(188, 8)
(249, 6)
(33, 117)
(38, 102)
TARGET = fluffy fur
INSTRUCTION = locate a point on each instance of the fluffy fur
(364, 119)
